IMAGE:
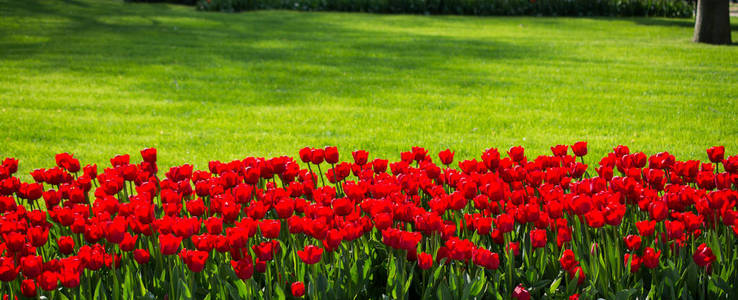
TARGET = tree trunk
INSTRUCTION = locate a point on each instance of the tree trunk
(712, 24)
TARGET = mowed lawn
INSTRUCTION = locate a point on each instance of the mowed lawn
(99, 78)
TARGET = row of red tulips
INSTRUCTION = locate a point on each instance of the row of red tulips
(500, 227)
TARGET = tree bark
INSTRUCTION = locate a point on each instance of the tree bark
(712, 24)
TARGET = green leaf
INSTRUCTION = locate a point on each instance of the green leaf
(452, 284)
(354, 273)
(185, 289)
(625, 294)
(437, 272)
(232, 290)
(279, 293)
(554, 286)
(540, 284)
(478, 286)
(127, 289)
(162, 277)
(366, 269)
(96, 294)
(715, 245)
(427, 290)
(116, 286)
(243, 290)
(406, 287)
(391, 272)
(443, 292)
(141, 287)
(719, 282)
(692, 277)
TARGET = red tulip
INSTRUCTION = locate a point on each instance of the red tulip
(567, 260)
(285, 208)
(577, 270)
(595, 219)
(651, 258)
(141, 256)
(305, 154)
(32, 191)
(260, 266)
(646, 228)
(731, 165)
(342, 206)
(635, 262)
(195, 260)
(10, 164)
(491, 158)
(538, 238)
(38, 236)
(168, 244)
(425, 261)
(214, 225)
(331, 154)
(559, 150)
(129, 242)
(270, 228)
(244, 268)
(487, 259)
(149, 155)
(379, 165)
(28, 288)
(115, 231)
(468, 166)
(120, 160)
(563, 235)
(310, 255)
(266, 250)
(70, 278)
(520, 293)
(360, 157)
(52, 198)
(633, 242)
(446, 156)
(65, 244)
(196, 207)
(579, 149)
(298, 289)
(48, 281)
(32, 266)
(703, 256)
(514, 247)
(317, 156)
(674, 230)
(658, 211)
(8, 270)
(333, 239)
(517, 154)
(504, 223)
(15, 241)
(716, 154)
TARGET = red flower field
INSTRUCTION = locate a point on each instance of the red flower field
(497, 227)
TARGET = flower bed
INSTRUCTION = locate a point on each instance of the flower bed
(502, 227)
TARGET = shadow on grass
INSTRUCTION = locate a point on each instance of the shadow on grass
(157, 35)
(687, 23)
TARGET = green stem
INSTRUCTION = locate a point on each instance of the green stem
(321, 175)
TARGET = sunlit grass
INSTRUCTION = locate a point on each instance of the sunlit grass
(99, 78)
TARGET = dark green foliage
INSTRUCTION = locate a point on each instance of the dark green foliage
(186, 2)
(666, 8)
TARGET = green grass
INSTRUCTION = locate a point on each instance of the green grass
(99, 78)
